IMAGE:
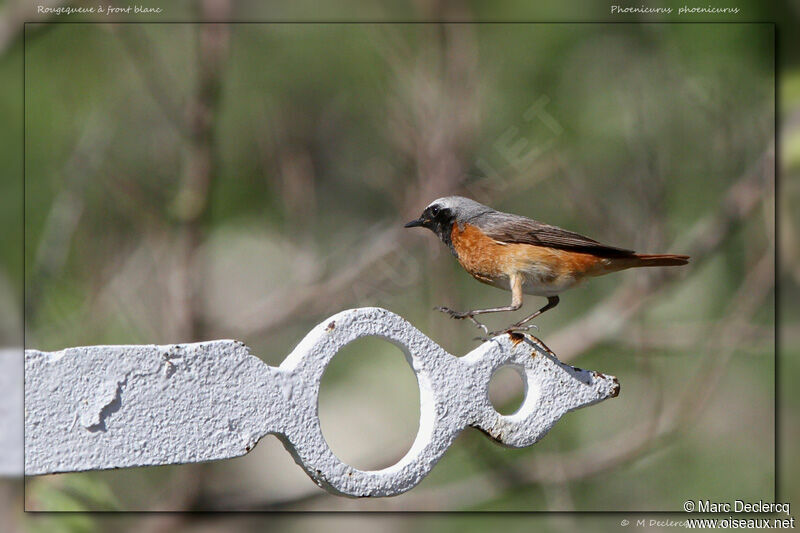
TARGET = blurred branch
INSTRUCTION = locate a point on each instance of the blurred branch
(380, 246)
(433, 111)
(722, 343)
(724, 340)
(702, 241)
(685, 336)
(154, 76)
(280, 308)
(66, 210)
(13, 16)
(190, 206)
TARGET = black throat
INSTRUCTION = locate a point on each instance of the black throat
(444, 229)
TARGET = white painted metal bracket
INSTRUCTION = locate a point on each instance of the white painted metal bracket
(103, 407)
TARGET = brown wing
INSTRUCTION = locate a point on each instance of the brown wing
(508, 228)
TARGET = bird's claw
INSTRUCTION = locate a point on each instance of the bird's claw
(460, 316)
(479, 324)
(511, 329)
(453, 314)
(534, 341)
(516, 328)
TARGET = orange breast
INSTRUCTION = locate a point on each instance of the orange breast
(495, 262)
(478, 254)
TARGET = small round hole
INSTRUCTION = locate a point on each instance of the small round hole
(507, 389)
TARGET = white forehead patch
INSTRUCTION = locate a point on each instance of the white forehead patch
(459, 204)
(446, 202)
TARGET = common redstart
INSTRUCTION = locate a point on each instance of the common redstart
(522, 255)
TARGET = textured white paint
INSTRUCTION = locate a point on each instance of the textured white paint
(11, 412)
(121, 406)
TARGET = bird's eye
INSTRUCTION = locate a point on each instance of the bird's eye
(435, 210)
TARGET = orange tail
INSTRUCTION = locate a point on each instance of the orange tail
(660, 260)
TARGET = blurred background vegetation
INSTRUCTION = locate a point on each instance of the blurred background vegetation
(186, 182)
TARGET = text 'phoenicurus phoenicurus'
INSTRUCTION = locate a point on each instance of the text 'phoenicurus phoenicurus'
(522, 255)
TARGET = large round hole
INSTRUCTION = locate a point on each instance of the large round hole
(369, 404)
(506, 389)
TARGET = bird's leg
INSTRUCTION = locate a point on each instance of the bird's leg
(552, 301)
(516, 303)
(479, 325)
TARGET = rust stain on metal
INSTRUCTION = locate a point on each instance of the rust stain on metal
(543, 346)
(516, 338)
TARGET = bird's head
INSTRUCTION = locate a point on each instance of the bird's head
(441, 214)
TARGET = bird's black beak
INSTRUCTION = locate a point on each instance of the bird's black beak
(414, 223)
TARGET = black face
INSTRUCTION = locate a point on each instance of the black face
(437, 219)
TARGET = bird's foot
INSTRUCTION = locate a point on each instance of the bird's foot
(515, 328)
(458, 315)
(523, 327)
(462, 315)
(479, 325)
